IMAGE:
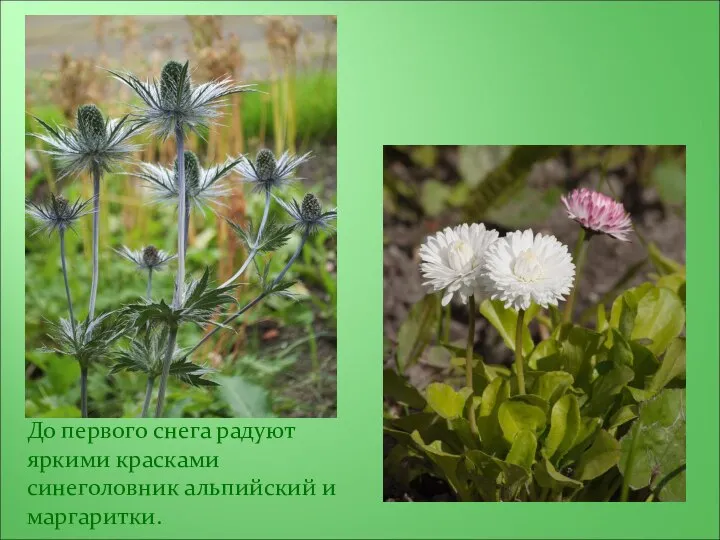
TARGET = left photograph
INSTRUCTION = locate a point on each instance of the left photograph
(180, 233)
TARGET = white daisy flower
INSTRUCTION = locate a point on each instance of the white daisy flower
(522, 269)
(452, 260)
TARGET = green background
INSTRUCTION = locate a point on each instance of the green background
(413, 73)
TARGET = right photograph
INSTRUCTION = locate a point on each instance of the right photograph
(534, 323)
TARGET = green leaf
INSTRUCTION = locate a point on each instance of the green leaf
(607, 386)
(552, 385)
(627, 318)
(446, 463)
(476, 162)
(445, 401)
(522, 451)
(600, 457)
(660, 318)
(245, 399)
(672, 366)
(655, 445)
(399, 389)
(417, 330)
(484, 472)
(564, 427)
(493, 396)
(624, 415)
(674, 282)
(586, 434)
(548, 477)
(516, 416)
(505, 322)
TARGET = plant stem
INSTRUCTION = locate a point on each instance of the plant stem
(148, 396)
(83, 391)
(519, 352)
(148, 293)
(579, 258)
(95, 242)
(187, 220)
(256, 243)
(166, 371)
(65, 277)
(256, 300)
(469, 361)
(180, 278)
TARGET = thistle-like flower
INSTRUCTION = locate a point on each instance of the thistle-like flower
(96, 145)
(57, 213)
(174, 103)
(521, 269)
(267, 173)
(308, 214)
(598, 213)
(452, 261)
(203, 186)
(147, 258)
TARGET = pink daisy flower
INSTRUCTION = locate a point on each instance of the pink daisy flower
(598, 213)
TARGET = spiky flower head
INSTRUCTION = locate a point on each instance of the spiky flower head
(173, 103)
(174, 83)
(192, 171)
(267, 172)
(453, 259)
(598, 213)
(146, 258)
(522, 269)
(57, 213)
(308, 214)
(203, 186)
(96, 145)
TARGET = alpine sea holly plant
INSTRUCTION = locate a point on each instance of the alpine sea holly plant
(150, 326)
(585, 414)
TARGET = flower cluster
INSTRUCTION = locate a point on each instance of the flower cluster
(520, 268)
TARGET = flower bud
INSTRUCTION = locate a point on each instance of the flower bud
(265, 165)
(91, 123)
(151, 256)
(61, 205)
(170, 81)
(310, 208)
(192, 171)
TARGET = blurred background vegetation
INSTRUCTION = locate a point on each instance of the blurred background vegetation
(281, 360)
(427, 188)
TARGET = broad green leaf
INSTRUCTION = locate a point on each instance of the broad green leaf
(548, 477)
(672, 487)
(576, 346)
(624, 415)
(531, 399)
(552, 385)
(644, 363)
(627, 318)
(631, 297)
(672, 366)
(589, 427)
(516, 416)
(639, 395)
(674, 282)
(655, 445)
(505, 322)
(446, 462)
(601, 324)
(445, 401)
(522, 451)
(246, 400)
(660, 318)
(399, 389)
(417, 330)
(484, 472)
(487, 421)
(608, 385)
(564, 427)
(600, 457)
(545, 353)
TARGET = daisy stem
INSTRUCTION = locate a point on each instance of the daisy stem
(148, 396)
(579, 257)
(65, 277)
(170, 351)
(257, 299)
(95, 242)
(254, 249)
(83, 391)
(469, 361)
(519, 368)
(148, 293)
